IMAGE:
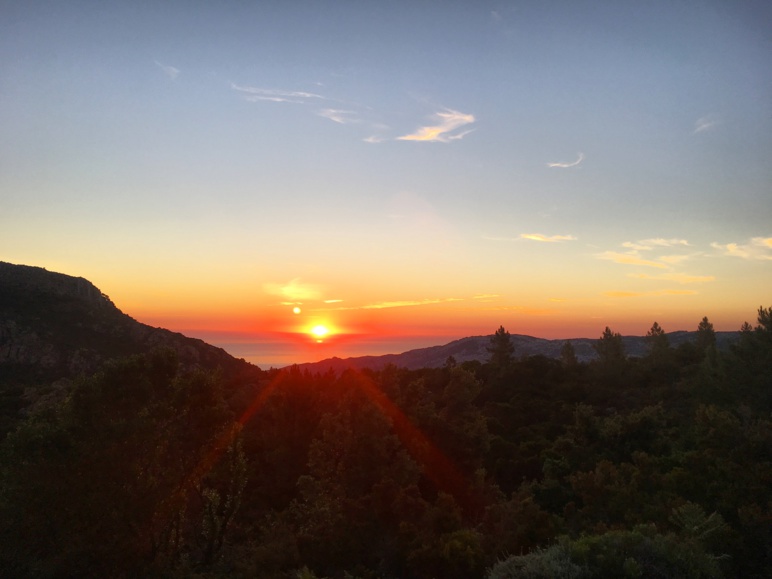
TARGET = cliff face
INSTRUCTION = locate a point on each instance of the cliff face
(55, 326)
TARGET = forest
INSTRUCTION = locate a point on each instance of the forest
(654, 466)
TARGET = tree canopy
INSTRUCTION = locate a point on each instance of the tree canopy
(655, 466)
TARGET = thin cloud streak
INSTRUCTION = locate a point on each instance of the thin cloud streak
(547, 238)
(667, 292)
(628, 259)
(339, 116)
(567, 165)
(254, 94)
(681, 278)
(704, 124)
(398, 304)
(169, 71)
(649, 244)
(406, 303)
(447, 122)
(675, 259)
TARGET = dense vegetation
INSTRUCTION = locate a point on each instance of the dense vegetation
(624, 467)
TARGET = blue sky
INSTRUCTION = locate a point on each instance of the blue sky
(559, 162)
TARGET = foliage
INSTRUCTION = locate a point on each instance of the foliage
(623, 467)
(501, 349)
(125, 474)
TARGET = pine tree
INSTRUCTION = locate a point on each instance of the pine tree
(501, 349)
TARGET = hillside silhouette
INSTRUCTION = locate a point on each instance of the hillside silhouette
(153, 455)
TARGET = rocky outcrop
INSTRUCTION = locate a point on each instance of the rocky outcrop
(55, 326)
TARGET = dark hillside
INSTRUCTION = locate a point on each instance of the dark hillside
(56, 327)
(474, 348)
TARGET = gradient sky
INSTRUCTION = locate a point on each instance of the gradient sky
(394, 169)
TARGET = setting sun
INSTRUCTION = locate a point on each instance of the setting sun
(320, 332)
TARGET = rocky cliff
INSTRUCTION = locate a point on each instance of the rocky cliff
(55, 326)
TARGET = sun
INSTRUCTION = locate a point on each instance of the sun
(320, 332)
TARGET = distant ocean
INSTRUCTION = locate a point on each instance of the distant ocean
(271, 351)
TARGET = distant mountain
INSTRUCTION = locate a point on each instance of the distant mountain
(55, 326)
(475, 348)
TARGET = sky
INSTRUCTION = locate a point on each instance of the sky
(400, 173)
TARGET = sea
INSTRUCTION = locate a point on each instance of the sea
(281, 350)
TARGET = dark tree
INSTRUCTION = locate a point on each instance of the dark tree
(568, 355)
(657, 341)
(706, 336)
(609, 347)
(501, 349)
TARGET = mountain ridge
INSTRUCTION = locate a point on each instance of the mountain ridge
(474, 348)
(53, 326)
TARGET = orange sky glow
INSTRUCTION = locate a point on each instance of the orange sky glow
(556, 172)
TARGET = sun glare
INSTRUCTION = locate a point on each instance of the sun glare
(320, 332)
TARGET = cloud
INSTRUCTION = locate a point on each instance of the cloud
(254, 94)
(524, 310)
(759, 248)
(399, 304)
(547, 238)
(338, 116)
(682, 278)
(629, 259)
(447, 122)
(294, 290)
(674, 292)
(485, 296)
(667, 292)
(636, 246)
(579, 159)
(649, 244)
(704, 124)
(402, 304)
(532, 237)
(673, 259)
(660, 242)
(374, 139)
(169, 71)
(616, 294)
(332, 301)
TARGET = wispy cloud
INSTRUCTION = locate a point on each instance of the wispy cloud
(666, 292)
(399, 304)
(579, 159)
(295, 290)
(704, 124)
(675, 259)
(254, 94)
(649, 244)
(485, 297)
(531, 237)
(339, 116)
(547, 238)
(629, 259)
(681, 278)
(524, 310)
(169, 71)
(406, 303)
(447, 122)
(758, 248)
